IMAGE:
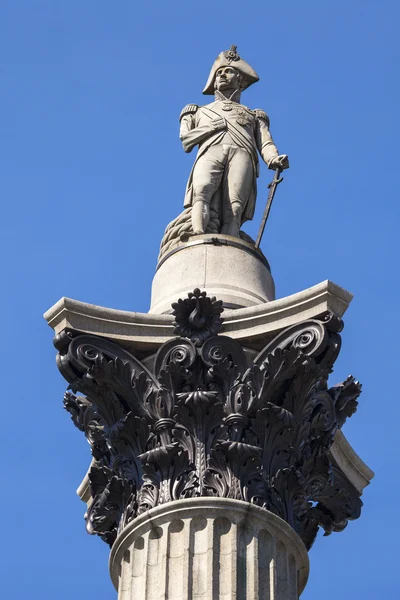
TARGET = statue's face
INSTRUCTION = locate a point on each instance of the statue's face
(227, 78)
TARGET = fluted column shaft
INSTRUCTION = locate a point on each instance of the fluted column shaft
(208, 549)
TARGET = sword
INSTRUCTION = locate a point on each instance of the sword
(272, 189)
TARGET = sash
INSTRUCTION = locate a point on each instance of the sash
(236, 134)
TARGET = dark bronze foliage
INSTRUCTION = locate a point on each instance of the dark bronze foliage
(205, 422)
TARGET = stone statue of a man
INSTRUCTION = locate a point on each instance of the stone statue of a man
(228, 135)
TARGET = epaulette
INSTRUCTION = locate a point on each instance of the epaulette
(261, 114)
(189, 109)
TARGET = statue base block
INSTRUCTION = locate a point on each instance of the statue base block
(226, 267)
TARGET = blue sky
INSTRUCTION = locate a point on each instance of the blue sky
(92, 171)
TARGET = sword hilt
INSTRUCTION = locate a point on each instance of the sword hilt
(277, 178)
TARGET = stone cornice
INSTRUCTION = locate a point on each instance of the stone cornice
(253, 325)
(348, 461)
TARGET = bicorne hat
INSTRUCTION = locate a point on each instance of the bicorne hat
(230, 58)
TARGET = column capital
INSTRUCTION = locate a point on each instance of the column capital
(205, 417)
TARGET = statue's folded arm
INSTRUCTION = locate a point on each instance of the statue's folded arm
(191, 136)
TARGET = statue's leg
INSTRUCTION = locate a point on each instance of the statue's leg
(238, 181)
(207, 176)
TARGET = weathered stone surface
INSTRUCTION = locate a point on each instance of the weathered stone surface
(246, 279)
(208, 548)
(143, 333)
(353, 467)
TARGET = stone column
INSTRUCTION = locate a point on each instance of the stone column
(208, 548)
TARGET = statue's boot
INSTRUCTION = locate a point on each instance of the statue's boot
(200, 216)
(231, 228)
(231, 225)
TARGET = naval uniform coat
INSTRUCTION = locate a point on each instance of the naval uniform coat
(248, 129)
